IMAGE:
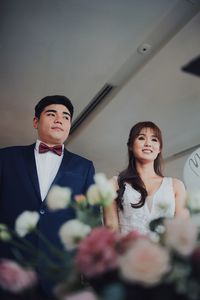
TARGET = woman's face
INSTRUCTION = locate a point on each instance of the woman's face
(146, 146)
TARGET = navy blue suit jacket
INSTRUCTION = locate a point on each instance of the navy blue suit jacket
(19, 189)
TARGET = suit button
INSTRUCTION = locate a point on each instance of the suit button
(42, 211)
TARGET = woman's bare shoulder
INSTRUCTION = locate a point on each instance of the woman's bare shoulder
(115, 182)
(178, 185)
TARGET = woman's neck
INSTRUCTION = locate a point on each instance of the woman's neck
(146, 170)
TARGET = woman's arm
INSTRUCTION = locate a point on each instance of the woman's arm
(180, 199)
(110, 213)
(110, 216)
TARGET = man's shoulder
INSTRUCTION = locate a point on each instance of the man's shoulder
(77, 157)
(15, 149)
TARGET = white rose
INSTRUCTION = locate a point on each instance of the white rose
(72, 232)
(106, 189)
(26, 222)
(181, 235)
(58, 197)
(145, 262)
(93, 195)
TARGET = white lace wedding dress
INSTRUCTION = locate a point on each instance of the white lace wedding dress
(161, 204)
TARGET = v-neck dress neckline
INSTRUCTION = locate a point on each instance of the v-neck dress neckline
(152, 197)
(163, 205)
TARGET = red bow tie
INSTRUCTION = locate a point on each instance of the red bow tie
(43, 148)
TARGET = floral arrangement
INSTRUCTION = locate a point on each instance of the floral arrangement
(103, 264)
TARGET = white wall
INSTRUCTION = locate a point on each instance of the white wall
(174, 167)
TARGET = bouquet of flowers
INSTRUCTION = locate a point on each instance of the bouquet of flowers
(98, 263)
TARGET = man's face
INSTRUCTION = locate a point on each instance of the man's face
(54, 124)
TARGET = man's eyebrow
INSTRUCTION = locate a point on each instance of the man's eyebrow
(66, 113)
(50, 110)
(54, 111)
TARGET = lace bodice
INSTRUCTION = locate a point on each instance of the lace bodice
(162, 204)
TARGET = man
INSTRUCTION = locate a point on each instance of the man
(28, 172)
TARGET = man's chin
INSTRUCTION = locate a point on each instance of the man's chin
(57, 140)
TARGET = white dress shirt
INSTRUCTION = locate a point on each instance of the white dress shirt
(47, 167)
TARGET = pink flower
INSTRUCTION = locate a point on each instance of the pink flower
(126, 240)
(14, 278)
(84, 295)
(96, 253)
(80, 199)
(145, 262)
(181, 235)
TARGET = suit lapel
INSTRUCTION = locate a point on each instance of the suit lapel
(31, 166)
(65, 161)
(32, 170)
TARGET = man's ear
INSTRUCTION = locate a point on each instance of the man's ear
(35, 122)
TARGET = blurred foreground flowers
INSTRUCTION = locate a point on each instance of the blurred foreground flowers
(99, 263)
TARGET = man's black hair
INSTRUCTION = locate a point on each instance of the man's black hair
(55, 99)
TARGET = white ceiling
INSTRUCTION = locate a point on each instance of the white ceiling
(75, 47)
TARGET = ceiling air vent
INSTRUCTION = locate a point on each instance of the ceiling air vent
(98, 99)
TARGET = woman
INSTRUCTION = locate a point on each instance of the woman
(144, 193)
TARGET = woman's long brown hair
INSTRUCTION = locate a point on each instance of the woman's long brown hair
(130, 174)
